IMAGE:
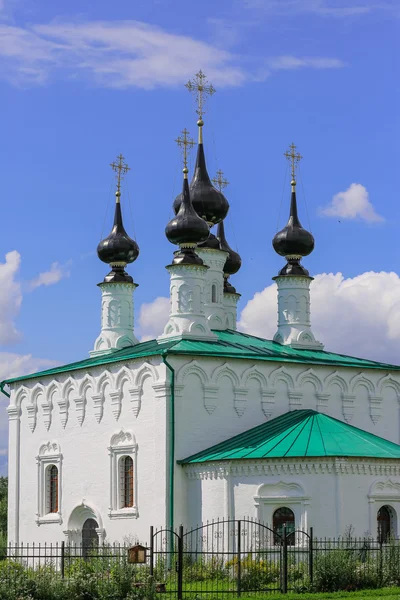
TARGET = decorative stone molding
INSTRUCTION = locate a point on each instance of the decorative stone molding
(122, 444)
(49, 455)
(191, 368)
(268, 402)
(322, 401)
(294, 467)
(239, 400)
(360, 379)
(136, 400)
(14, 413)
(309, 376)
(253, 373)
(348, 406)
(281, 374)
(295, 398)
(98, 406)
(162, 390)
(225, 370)
(335, 378)
(388, 381)
(122, 439)
(375, 408)
(31, 410)
(116, 403)
(210, 398)
(80, 408)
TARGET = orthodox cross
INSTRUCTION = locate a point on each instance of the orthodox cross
(293, 157)
(200, 86)
(186, 144)
(219, 180)
(120, 168)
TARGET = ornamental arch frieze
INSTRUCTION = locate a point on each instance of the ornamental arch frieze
(374, 400)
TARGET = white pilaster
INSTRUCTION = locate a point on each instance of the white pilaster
(187, 317)
(13, 473)
(214, 289)
(116, 318)
(294, 326)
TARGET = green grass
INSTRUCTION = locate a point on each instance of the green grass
(381, 594)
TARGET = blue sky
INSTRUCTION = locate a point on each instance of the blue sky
(81, 82)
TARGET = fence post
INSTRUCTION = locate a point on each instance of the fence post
(311, 555)
(239, 564)
(380, 563)
(180, 562)
(284, 562)
(62, 560)
(151, 551)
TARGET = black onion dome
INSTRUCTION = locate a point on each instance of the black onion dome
(118, 247)
(211, 242)
(293, 239)
(233, 261)
(209, 203)
(187, 227)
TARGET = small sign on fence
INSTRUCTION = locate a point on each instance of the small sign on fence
(137, 554)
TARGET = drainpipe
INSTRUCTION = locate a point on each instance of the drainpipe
(2, 390)
(171, 461)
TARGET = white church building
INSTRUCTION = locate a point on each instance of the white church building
(204, 422)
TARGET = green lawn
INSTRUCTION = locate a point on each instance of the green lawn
(393, 593)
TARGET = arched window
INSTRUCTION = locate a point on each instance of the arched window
(126, 482)
(52, 489)
(283, 516)
(385, 525)
(214, 293)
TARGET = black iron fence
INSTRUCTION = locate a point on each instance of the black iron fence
(214, 560)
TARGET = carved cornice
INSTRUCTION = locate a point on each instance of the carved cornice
(267, 467)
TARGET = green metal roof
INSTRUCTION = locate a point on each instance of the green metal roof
(229, 344)
(298, 434)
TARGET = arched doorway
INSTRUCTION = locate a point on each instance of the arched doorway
(90, 539)
(385, 524)
(283, 516)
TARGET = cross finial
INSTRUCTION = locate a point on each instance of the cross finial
(294, 158)
(186, 144)
(219, 180)
(200, 86)
(120, 168)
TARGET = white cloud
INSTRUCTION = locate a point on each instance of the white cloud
(3, 451)
(153, 317)
(322, 8)
(353, 204)
(120, 54)
(10, 297)
(294, 62)
(359, 316)
(54, 275)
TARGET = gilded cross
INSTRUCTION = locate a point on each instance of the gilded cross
(120, 168)
(219, 180)
(293, 157)
(200, 86)
(186, 144)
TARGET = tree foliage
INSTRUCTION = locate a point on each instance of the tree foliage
(3, 504)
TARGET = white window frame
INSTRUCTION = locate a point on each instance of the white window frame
(122, 444)
(49, 454)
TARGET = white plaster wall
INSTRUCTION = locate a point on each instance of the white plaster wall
(84, 448)
(217, 399)
(337, 495)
